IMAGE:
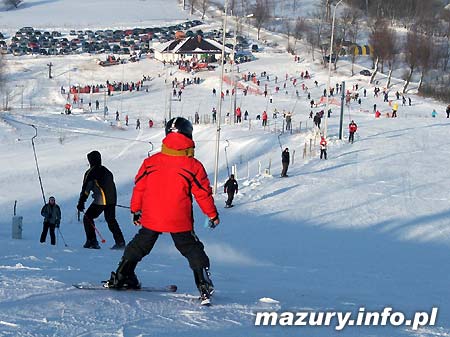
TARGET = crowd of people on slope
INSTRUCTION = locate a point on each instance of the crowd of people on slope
(161, 202)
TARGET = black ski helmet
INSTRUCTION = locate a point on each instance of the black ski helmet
(180, 125)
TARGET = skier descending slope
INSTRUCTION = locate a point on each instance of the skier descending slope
(162, 202)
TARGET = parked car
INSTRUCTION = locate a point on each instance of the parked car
(26, 30)
(365, 72)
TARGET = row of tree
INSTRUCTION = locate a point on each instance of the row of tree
(407, 36)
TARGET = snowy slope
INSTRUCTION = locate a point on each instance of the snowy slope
(85, 14)
(368, 227)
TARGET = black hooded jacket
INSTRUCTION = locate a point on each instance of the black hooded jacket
(100, 181)
(285, 157)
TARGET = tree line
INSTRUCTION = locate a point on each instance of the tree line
(407, 36)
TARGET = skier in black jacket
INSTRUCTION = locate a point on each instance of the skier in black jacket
(100, 181)
(52, 217)
(231, 187)
(285, 162)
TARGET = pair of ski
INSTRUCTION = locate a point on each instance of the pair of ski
(165, 289)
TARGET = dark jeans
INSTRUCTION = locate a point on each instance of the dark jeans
(285, 169)
(323, 153)
(351, 137)
(230, 198)
(45, 229)
(110, 216)
(187, 244)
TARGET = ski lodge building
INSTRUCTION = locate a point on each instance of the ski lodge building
(195, 47)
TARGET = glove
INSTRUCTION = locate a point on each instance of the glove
(214, 222)
(57, 224)
(80, 206)
(137, 218)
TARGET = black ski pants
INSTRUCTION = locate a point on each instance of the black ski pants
(230, 198)
(323, 153)
(109, 212)
(187, 243)
(285, 169)
(351, 137)
(47, 226)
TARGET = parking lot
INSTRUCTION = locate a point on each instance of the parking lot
(27, 40)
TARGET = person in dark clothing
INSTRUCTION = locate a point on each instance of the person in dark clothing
(285, 162)
(100, 181)
(52, 218)
(317, 120)
(162, 202)
(231, 187)
(448, 111)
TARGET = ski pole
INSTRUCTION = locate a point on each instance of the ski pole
(62, 237)
(95, 228)
(121, 206)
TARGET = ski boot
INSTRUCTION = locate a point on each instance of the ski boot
(204, 285)
(92, 244)
(124, 277)
(118, 246)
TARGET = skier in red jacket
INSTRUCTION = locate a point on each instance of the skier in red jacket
(352, 127)
(162, 202)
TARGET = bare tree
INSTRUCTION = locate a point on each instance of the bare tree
(204, 4)
(300, 29)
(261, 15)
(232, 6)
(288, 28)
(192, 4)
(424, 58)
(316, 30)
(391, 51)
(350, 22)
(3, 92)
(445, 32)
(380, 30)
(311, 38)
(411, 55)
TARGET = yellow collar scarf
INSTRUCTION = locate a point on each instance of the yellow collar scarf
(189, 152)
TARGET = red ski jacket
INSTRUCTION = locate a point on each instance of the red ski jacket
(352, 127)
(165, 184)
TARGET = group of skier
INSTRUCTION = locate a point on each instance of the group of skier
(161, 202)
